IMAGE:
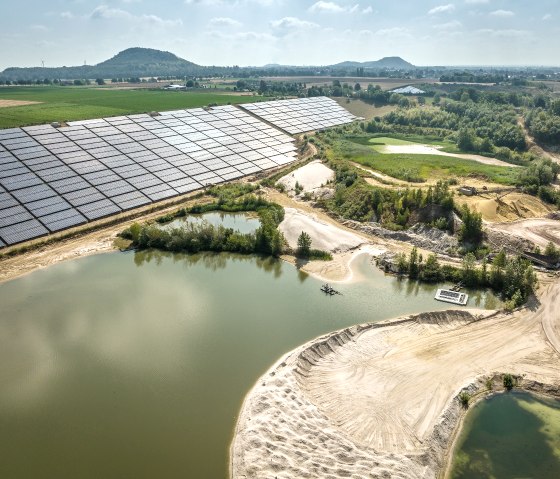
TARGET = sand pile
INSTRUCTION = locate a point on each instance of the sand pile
(324, 235)
(310, 177)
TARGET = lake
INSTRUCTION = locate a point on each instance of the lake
(135, 364)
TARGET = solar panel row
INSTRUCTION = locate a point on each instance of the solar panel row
(56, 178)
(302, 114)
(52, 179)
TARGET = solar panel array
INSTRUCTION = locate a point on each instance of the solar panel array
(301, 114)
(55, 178)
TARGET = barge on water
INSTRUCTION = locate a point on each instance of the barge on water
(449, 296)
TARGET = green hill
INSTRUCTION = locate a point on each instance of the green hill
(133, 62)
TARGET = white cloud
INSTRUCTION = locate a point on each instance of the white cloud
(104, 12)
(292, 23)
(332, 7)
(502, 13)
(224, 22)
(476, 2)
(546, 17)
(442, 9)
(453, 25)
(67, 15)
(367, 10)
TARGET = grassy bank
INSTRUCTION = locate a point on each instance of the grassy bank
(82, 103)
(414, 168)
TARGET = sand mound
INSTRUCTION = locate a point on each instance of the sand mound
(324, 236)
(310, 177)
(511, 207)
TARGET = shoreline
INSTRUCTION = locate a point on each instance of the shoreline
(329, 422)
(485, 395)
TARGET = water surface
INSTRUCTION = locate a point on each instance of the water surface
(134, 365)
(513, 435)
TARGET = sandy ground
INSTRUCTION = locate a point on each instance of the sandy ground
(538, 230)
(9, 103)
(496, 208)
(310, 177)
(430, 150)
(324, 235)
(379, 400)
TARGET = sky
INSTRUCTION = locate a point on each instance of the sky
(289, 32)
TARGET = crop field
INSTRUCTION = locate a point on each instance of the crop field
(78, 103)
(418, 168)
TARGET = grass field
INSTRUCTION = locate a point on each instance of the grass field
(378, 140)
(418, 168)
(78, 103)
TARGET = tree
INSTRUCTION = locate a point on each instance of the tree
(466, 139)
(552, 251)
(357, 87)
(303, 245)
(471, 229)
(100, 81)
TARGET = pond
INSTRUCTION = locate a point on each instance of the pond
(512, 435)
(136, 364)
(242, 222)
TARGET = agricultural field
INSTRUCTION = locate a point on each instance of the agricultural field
(79, 103)
(362, 109)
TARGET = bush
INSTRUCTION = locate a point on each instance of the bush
(509, 381)
(464, 399)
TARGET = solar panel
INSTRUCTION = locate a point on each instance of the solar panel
(27, 230)
(94, 168)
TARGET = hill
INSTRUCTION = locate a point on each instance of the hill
(388, 63)
(133, 62)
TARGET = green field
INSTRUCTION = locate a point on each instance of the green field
(418, 168)
(79, 103)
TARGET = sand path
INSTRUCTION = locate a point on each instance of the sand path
(430, 150)
(378, 400)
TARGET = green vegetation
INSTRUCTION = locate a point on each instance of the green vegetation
(410, 167)
(304, 250)
(537, 179)
(395, 209)
(512, 277)
(77, 103)
(192, 238)
(464, 399)
(471, 229)
(509, 381)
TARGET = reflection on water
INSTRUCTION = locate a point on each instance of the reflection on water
(242, 222)
(510, 435)
(135, 364)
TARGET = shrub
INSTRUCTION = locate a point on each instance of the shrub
(509, 381)
(464, 399)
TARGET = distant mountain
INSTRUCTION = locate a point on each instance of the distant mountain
(133, 62)
(388, 63)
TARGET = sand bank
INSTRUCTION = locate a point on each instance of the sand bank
(379, 400)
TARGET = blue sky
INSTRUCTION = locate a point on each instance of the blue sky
(295, 32)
